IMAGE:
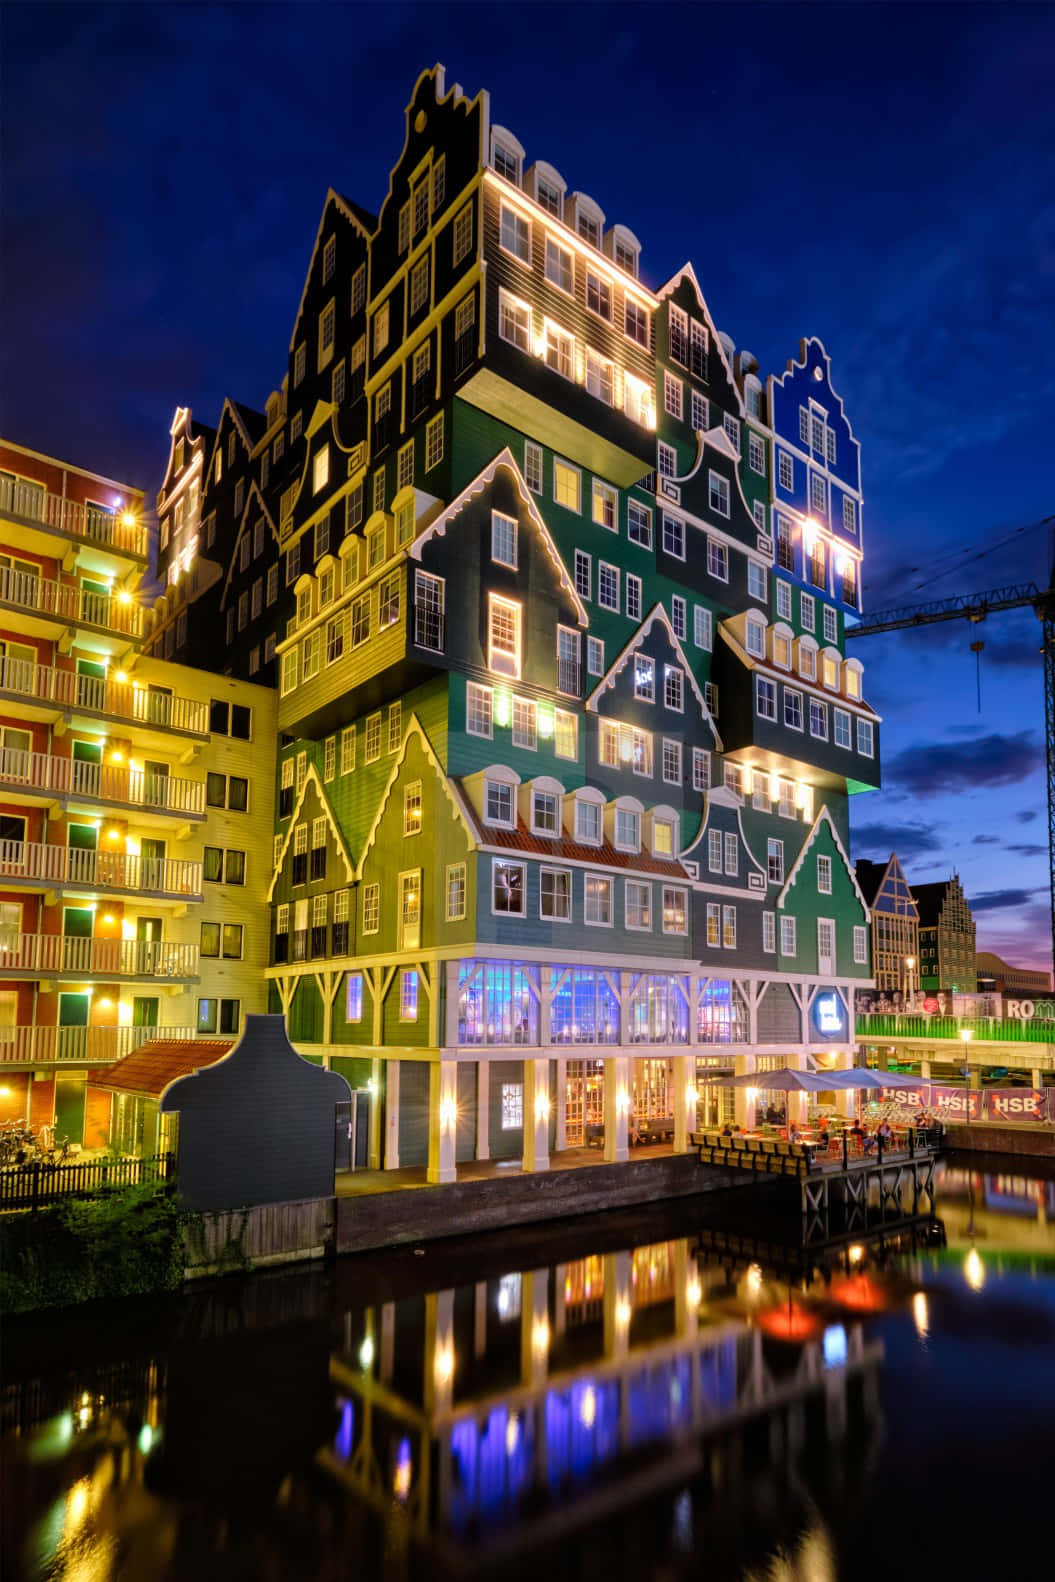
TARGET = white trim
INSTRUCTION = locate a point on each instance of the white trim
(311, 777)
(608, 679)
(823, 817)
(414, 727)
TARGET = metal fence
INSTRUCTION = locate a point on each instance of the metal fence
(36, 1184)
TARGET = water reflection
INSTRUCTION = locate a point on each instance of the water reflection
(630, 1401)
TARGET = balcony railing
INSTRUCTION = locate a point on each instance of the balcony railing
(428, 627)
(122, 700)
(90, 782)
(569, 676)
(104, 958)
(70, 603)
(951, 1028)
(32, 503)
(96, 1046)
(97, 870)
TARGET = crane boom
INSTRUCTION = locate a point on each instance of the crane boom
(975, 607)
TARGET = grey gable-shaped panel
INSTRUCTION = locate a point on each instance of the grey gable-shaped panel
(258, 1126)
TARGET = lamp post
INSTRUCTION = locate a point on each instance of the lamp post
(910, 963)
(965, 1039)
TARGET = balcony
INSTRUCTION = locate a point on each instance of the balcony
(52, 604)
(39, 867)
(98, 697)
(114, 785)
(93, 1046)
(31, 505)
(67, 956)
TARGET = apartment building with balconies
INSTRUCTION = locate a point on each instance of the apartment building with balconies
(132, 864)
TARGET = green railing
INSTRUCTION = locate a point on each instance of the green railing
(982, 1029)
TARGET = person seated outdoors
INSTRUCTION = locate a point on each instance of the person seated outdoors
(884, 1131)
(793, 1133)
(726, 1131)
(857, 1133)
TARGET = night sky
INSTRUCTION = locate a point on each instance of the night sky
(880, 176)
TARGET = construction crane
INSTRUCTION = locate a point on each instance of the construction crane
(976, 607)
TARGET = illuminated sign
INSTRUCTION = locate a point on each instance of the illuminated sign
(829, 1014)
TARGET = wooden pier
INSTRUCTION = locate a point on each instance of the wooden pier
(837, 1173)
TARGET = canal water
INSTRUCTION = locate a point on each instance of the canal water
(666, 1394)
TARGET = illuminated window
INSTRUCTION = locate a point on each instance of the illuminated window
(638, 401)
(701, 769)
(567, 484)
(408, 996)
(600, 376)
(675, 910)
(507, 888)
(644, 678)
(525, 723)
(320, 473)
(559, 268)
(478, 710)
(512, 1106)
(560, 350)
(371, 908)
(598, 295)
(729, 927)
(566, 734)
(638, 904)
(353, 1011)
(455, 892)
(605, 506)
(598, 902)
(514, 234)
(503, 636)
(412, 808)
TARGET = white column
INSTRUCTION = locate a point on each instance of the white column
(536, 1115)
(443, 1121)
(618, 1307)
(534, 1326)
(483, 1110)
(743, 1101)
(560, 1138)
(1036, 1078)
(616, 1109)
(684, 1099)
(375, 1114)
(392, 1115)
(845, 1100)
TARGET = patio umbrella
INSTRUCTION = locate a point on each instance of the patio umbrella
(860, 1077)
(784, 1081)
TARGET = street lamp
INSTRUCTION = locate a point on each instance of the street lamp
(910, 963)
(965, 1039)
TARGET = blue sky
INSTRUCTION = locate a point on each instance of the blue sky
(880, 176)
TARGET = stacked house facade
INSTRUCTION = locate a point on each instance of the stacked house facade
(557, 613)
(947, 937)
(135, 804)
(895, 925)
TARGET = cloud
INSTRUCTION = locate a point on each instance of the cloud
(998, 900)
(1023, 849)
(908, 840)
(1026, 816)
(987, 840)
(928, 769)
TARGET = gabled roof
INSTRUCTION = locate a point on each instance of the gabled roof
(870, 876)
(236, 410)
(254, 423)
(352, 212)
(149, 1069)
(931, 898)
(657, 613)
(567, 849)
(450, 788)
(312, 778)
(438, 526)
(722, 796)
(686, 272)
(811, 688)
(243, 527)
(823, 817)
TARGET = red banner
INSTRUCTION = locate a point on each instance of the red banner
(1006, 1106)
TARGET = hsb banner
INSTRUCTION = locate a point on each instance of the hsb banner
(1008, 1106)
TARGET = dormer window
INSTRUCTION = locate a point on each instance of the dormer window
(782, 650)
(627, 829)
(852, 671)
(548, 187)
(325, 587)
(807, 659)
(498, 804)
(304, 604)
(587, 219)
(507, 156)
(830, 667)
(755, 642)
(545, 813)
(664, 837)
(624, 249)
(588, 822)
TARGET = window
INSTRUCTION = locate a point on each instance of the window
(818, 494)
(329, 758)
(775, 860)
(755, 638)
(757, 580)
(714, 851)
(503, 539)
(533, 466)
(638, 401)
(300, 367)
(678, 335)
(224, 867)
(419, 285)
(831, 624)
(554, 903)
(395, 726)
(824, 875)
(666, 460)
(408, 996)
(639, 524)
(512, 1106)
(503, 636)
(373, 738)
(566, 485)
(701, 412)
(769, 933)
(698, 349)
(673, 536)
(559, 351)
(514, 321)
(412, 808)
(227, 791)
(734, 779)
(221, 1016)
(548, 196)
(525, 723)
(860, 946)
(633, 596)
(818, 719)
(588, 228)
(865, 738)
(605, 506)
(565, 734)
(729, 927)
(545, 813)
(559, 266)
(678, 609)
(849, 514)
(701, 769)
(514, 234)
(784, 601)
(371, 908)
(455, 891)
(787, 936)
(673, 688)
(507, 888)
(463, 233)
(663, 837)
(785, 471)
(627, 829)
(718, 494)
(671, 761)
(758, 511)
(785, 798)
(718, 560)
(714, 924)
(765, 698)
(583, 576)
(348, 749)
(272, 584)
(756, 454)
(598, 295)
(498, 803)
(635, 322)
(381, 329)
(841, 728)
(607, 586)
(638, 904)
(588, 822)
(600, 376)
(230, 719)
(434, 442)
(672, 395)
(732, 855)
(320, 470)
(644, 678)
(792, 709)
(702, 627)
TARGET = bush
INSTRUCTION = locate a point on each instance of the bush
(127, 1242)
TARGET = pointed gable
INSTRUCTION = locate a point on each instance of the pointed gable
(723, 814)
(311, 805)
(655, 639)
(417, 755)
(255, 507)
(823, 839)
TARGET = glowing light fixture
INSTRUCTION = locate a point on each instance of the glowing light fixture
(921, 1314)
(974, 1270)
(588, 1407)
(366, 1354)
